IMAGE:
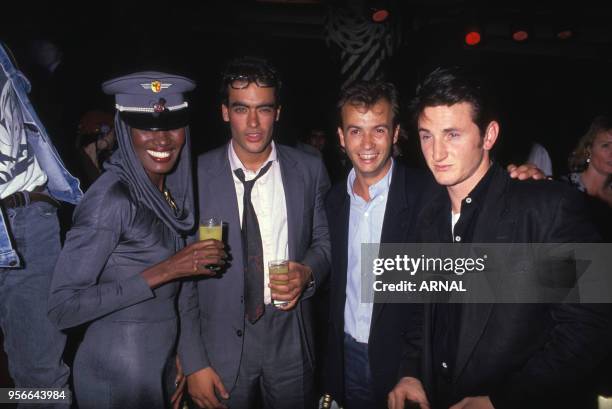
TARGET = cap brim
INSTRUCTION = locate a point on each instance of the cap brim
(162, 122)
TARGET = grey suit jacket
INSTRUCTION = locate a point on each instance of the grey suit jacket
(218, 341)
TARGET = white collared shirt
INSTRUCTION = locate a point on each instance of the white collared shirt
(365, 226)
(268, 198)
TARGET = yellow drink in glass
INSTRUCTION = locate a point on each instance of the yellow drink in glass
(211, 229)
(211, 232)
(278, 267)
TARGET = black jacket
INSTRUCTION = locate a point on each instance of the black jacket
(390, 322)
(521, 355)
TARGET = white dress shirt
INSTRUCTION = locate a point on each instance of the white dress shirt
(268, 198)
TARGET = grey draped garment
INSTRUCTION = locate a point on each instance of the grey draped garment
(123, 226)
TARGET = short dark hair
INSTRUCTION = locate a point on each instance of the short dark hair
(450, 86)
(366, 94)
(255, 69)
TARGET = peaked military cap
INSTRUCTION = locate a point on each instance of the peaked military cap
(151, 100)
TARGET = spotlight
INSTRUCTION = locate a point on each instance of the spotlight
(378, 11)
(473, 36)
(520, 35)
(520, 31)
(380, 15)
(565, 34)
(563, 25)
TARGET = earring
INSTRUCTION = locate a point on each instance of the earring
(588, 160)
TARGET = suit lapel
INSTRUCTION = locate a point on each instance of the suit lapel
(396, 223)
(223, 199)
(432, 225)
(293, 185)
(339, 212)
(220, 184)
(474, 317)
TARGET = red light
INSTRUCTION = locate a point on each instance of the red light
(472, 38)
(380, 15)
(565, 34)
(520, 35)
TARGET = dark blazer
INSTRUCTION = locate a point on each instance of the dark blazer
(219, 340)
(390, 322)
(521, 355)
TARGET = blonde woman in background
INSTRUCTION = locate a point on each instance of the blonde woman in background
(591, 161)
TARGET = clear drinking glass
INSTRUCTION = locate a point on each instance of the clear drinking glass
(211, 228)
(278, 267)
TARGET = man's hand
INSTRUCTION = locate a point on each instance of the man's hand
(179, 383)
(202, 386)
(475, 402)
(298, 277)
(407, 389)
(525, 171)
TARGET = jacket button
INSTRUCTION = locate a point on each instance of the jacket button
(12, 263)
(239, 332)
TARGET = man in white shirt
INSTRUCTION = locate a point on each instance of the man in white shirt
(249, 353)
(378, 203)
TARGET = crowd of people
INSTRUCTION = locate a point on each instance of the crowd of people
(169, 320)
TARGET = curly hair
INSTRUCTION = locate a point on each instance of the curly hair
(255, 69)
(578, 159)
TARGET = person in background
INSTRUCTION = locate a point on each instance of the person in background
(305, 143)
(316, 138)
(94, 144)
(33, 181)
(591, 162)
(590, 167)
(591, 172)
(538, 156)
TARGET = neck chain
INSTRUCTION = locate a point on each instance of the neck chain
(169, 199)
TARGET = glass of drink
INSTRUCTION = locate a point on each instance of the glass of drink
(211, 228)
(278, 267)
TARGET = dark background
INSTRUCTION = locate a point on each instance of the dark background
(548, 89)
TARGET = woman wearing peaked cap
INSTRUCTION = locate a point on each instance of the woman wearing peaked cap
(120, 267)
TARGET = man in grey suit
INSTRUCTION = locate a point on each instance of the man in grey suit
(251, 353)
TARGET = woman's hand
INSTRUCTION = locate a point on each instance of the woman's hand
(192, 260)
(179, 383)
